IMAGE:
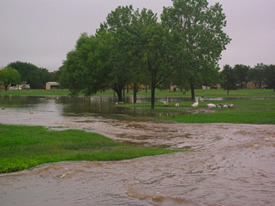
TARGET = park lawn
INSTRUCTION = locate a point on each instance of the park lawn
(240, 93)
(23, 147)
(245, 111)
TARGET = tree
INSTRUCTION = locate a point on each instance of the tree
(241, 72)
(257, 74)
(270, 76)
(9, 76)
(229, 79)
(202, 28)
(78, 70)
(120, 25)
(160, 52)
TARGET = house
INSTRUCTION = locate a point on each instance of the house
(52, 85)
(255, 85)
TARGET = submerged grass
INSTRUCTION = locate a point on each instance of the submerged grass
(23, 147)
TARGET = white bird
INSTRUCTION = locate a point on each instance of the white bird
(210, 106)
(177, 105)
(230, 105)
(196, 104)
(165, 102)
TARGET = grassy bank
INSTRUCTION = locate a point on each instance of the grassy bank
(244, 111)
(23, 147)
(159, 93)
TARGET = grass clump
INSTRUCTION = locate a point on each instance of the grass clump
(23, 147)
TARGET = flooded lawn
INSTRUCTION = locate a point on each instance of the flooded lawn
(229, 164)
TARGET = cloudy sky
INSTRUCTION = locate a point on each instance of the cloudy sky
(43, 31)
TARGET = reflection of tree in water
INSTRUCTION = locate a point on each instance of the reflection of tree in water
(20, 101)
(101, 106)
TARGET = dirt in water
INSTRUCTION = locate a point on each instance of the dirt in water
(230, 164)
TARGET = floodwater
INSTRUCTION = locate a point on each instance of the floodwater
(230, 164)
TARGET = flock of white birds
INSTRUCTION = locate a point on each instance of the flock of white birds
(196, 104)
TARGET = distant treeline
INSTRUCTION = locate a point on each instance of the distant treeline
(34, 76)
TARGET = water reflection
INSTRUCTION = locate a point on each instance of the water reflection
(79, 106)
(20, 101)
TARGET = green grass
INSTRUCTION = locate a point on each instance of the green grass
(23, 147)
(37, 92)
(244, 111)
(240, 93)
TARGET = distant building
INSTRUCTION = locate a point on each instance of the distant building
(52, 85)
(255, 85)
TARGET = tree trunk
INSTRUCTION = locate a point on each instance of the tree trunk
(152, 96)
(135, 93)
(6, 88)
(119, 95)
(192, 90)
(119, 88)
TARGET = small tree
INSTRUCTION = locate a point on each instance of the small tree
(229, 79)
(9, 76)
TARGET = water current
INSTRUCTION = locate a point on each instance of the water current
(230, 164)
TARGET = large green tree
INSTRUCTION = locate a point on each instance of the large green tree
(120, 24)
(78, 70)
(9, 76)
(202, 28)
(159, 55)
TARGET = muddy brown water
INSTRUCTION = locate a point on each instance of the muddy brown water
(231, 164)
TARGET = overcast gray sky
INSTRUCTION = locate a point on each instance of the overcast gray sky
(42, 32)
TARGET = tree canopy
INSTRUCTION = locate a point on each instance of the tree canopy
(8, 76)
